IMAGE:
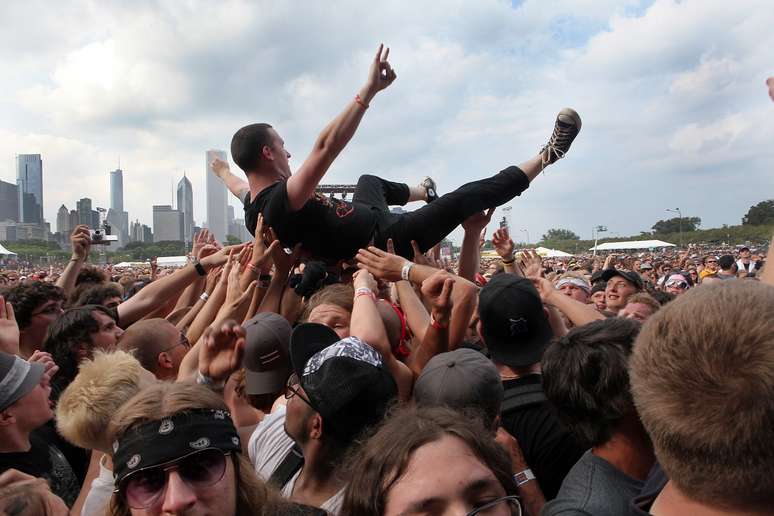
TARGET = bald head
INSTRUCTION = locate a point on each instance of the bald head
(156, 344)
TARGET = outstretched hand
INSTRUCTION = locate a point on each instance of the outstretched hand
(380, 74)
(222, 351)
(502, 243)
(383, 265)
(9, 329)
(219, 167)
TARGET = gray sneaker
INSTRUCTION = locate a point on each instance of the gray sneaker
(566, 128)
(430, 188)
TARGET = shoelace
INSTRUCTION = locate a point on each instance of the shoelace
(559, 143)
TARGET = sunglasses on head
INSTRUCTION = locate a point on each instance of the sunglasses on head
(143, 488)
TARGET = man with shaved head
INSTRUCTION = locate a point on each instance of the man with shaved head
(158, 345)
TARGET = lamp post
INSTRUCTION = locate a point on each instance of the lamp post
(595, 231)
(679, 221)
(527, 232)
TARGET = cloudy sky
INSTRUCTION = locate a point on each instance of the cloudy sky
(671, 93)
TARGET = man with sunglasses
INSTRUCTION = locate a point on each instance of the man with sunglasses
(159, 346)
(710, 266)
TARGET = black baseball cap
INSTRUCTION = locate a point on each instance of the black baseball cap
(345, 380)
(266, 360)
(632, 277)
(513, 322)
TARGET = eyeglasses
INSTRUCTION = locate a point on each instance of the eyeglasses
(142, 488)
(505, 506)
(182, 341)
(291, 389)
(678, 284)
(53, 308)
(712, 261)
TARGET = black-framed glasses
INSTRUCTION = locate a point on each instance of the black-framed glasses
(505, 506)
(291, 389)
(143, 488)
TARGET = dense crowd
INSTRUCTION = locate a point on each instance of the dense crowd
(337, 365)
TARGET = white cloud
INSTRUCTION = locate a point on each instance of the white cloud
(670, 93)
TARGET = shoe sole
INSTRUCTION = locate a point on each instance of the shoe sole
(569, 116)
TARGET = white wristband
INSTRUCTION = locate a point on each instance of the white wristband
(522, 477)
(204, 296)
(406, 271)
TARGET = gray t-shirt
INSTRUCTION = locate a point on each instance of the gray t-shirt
(268, 447)
(593, 487)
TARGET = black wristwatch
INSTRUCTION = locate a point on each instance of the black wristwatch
(199, 268)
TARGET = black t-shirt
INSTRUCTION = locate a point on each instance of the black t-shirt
(328, 228)
(549, 450)
(45, 460)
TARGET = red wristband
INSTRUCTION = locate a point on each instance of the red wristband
(435, 324)
(360, 101)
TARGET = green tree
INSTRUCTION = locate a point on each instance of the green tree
(560, 234)
(674, 225)
(232, 240)
(761, 213)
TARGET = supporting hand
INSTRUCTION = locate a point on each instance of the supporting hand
(222, 351)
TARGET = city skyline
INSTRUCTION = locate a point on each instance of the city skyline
(29, 179)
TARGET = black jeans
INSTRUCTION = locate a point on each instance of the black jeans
(431, 223)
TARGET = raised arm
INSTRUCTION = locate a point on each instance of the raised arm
(80, 242)
(470, 255)
(337, 133)
(235, 185)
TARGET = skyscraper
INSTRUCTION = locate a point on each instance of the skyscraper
(217, 199)
(29, 178)
(83, 207)
(185, 206)
(63, 221)
(117, 190)
(9, 202)
(167, 224)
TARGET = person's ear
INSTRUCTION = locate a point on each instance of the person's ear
(266, 153)
(164, 360)
(7, 418)
(315, 426)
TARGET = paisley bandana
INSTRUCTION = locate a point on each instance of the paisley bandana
(161, 441)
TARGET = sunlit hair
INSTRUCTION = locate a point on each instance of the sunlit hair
(383, 459)
(168, 398)
(338, 294)
(98, 391)
(704, 389)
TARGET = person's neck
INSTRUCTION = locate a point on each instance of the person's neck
(261, 180)
(672, 502)
(14, 440)
(629, 450)
(27, 346)
(318, 480)
(512, 373)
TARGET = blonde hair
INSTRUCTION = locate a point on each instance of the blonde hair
(167, 398)
(646, 299)
(86, 406)
(704, 389)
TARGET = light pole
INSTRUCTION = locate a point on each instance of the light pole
(598, 230)
(679, 221)
(527, 232)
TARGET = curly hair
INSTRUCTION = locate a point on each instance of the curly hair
(97, 294)
(26, 297)
(71, 329)
(585, 376)
(91, 275)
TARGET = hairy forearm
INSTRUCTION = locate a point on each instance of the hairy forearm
(463, 298)
(191, 294)
(435, 341)
(272, 299)
(255, 302)
(469, 256)
(155, 294)
(237, 186)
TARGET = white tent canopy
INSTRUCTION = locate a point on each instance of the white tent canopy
(6, 252)
(636, 244)
(551, 253)
(171, 261)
